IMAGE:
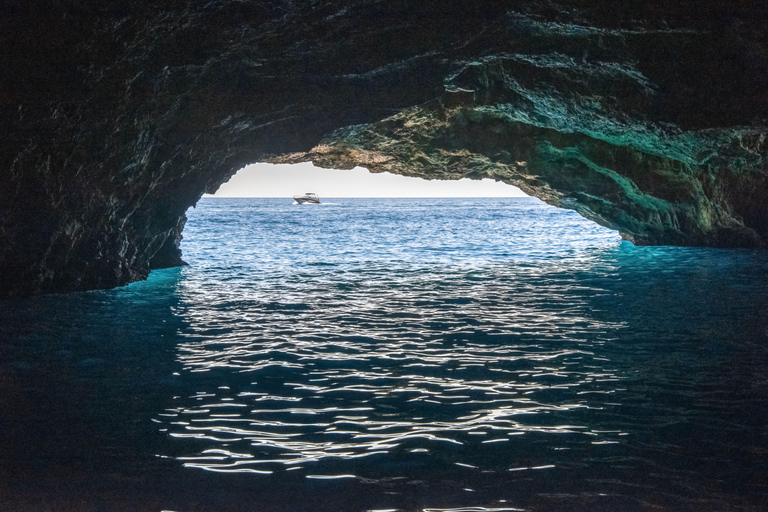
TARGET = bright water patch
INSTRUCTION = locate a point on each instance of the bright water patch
(383, 328)
(483, 354)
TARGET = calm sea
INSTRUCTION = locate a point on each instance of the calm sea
(394, 354)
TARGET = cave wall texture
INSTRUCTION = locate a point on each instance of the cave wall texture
(647, 116)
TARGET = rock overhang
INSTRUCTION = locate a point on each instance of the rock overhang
(645, 117)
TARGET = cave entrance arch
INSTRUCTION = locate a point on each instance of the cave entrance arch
(377, 217)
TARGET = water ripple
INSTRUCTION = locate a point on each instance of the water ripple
(482, 351)
(388, 370)
(395, 355)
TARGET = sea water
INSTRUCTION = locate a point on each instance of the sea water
(395, 354)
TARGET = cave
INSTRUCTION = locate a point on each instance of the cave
(495, 369)
(647, 118)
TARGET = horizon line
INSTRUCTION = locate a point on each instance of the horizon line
(211, 196)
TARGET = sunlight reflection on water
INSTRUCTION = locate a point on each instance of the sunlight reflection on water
(399, 357)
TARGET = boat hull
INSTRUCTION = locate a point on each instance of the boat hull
(309, 198)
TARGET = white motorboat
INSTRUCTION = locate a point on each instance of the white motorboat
(308, 198)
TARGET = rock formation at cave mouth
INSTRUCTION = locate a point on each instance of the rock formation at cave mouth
(646, 116)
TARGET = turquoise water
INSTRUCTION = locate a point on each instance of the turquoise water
(395, 354)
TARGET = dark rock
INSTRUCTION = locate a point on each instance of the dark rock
(647, 116)
(169, 254)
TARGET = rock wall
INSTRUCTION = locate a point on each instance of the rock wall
(643, 116)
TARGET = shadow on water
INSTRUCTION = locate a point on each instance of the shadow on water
(608, 378)
(81, 376)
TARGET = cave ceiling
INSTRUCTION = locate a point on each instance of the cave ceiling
(648, 117)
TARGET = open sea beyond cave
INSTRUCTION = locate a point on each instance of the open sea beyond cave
(394, 354)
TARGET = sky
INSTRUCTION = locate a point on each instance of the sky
(285, 180)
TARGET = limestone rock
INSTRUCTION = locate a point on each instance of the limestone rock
(646, 116)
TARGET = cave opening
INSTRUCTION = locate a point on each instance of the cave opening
(253, 223)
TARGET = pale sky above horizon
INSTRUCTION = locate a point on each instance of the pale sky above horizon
(286, 180)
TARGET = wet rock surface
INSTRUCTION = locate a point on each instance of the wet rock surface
(646, 117)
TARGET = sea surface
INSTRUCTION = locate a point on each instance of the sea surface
(380, 355)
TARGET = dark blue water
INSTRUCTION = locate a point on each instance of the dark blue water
(395, 354)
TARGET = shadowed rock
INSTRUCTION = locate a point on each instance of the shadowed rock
(643, 116)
